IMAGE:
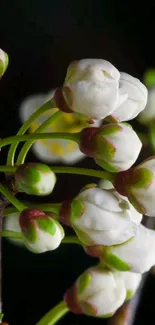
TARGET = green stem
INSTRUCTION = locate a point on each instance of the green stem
(47, 106)
(43, 127)
(54, 314)
(11, 234)
(72, 240)
(84, 171)
(72, 170)
(10, 169)
(36, 136)
(11, 198)
(17, 235)
(47, 207)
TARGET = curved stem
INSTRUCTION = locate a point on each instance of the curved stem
(84, 171)
(72, 240)
(54, 314)
(72, 170)
(47, 106)
(47, 207)
(11, 234)
(11, 198)
(36, 136)
(17, 235)
(27, 145)
(10, 169)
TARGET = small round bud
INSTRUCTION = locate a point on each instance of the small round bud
(101, 217)
(135, 255)
(138, 184)
(110, 146)
(97, 292)
(34, 179)
(3, 62)
(40, 232)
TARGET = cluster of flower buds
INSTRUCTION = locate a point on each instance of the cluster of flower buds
(106, 218)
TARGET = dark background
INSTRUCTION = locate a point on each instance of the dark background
(41, 38)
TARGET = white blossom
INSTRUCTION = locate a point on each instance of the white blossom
(97, 292)
(105, 217)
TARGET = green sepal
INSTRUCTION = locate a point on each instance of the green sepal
(84, 281)
(87, 187)
(107, 166)
(110, 129)
(32, 175)
(139, 207)
(83, 236)
(4, 64)
(142, 177)
(104, 148)
(31, 232)
(1, 316)
(129, 294)
(47, 224)
(29, 189)
(77, 208)
(115, 262)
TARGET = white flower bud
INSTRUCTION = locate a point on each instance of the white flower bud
(91, 87)
(35, 179)
(132, 281)
(97, 292)
(40, 232)
(148, 114)
(101, 217)
(132, 98)
(110, 146)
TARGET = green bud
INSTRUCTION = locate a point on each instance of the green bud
(40, 232)
(34, 179)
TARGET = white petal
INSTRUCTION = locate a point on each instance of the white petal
(139, 252)
(105, 184)
(136, 100)
(94, 98)
(99, 64)
(131, 280)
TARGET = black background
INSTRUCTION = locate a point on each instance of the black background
(41, 38)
